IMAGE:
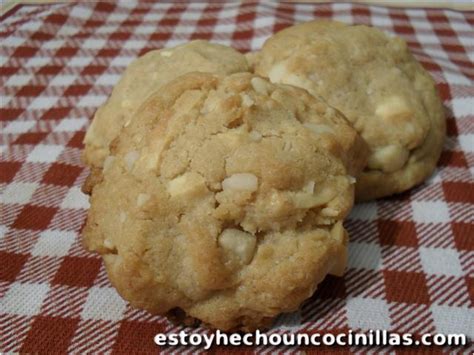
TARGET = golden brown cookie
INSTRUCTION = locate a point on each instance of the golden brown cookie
(252, 59)
(377, 84)
(146, 75)
(223, 200)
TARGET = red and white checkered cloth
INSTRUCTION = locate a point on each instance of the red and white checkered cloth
(411, 264)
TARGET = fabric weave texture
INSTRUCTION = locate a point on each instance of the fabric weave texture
(411, 256)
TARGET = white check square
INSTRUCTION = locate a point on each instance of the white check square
(364, 256)
(462, 106)
(153, 16)
(108, 79)
(367, 313)
(92, 101)
(19, 126)
(43, 102)
(93, 43)
(107, 29)
(117, 17)
(364, 211)
(103, 303)
(53, 243)
(68, 30)
(134, 44)
(229, 28)
(3, 59)
(453, 320)
(430, 212)
(43, 153)
(53, 44)
(3, 232)
(145, 29)
(62, 80)
(31, 25)
(70, 125)
(440, 261)
(81, 12)
(18, 80)
(75, 199)
(79, 61)
(121, 61)
(13, 41)
(466, 141)
(37, 62)
(24, 299)
(18, 192)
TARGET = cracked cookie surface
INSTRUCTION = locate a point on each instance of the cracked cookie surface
(377, 84)
(224, 198)
(146, 75)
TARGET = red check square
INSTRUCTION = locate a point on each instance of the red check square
(30, 138)
(62, 174)
(77, 271)
(134, 335)
(30, 90)
(452, 158)
(463, 235)
(77, 90)
(49, 334)
(9, 114)
(34, 217)
(11, 265)
(407, 287)
(76, 140)
(459, 191)
(8, 170)
(400, 233)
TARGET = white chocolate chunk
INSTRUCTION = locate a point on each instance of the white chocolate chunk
(108, 244)
(313, 199)
(210, 104)
(123, 216)
(389, 158)
(241, 181)
(166, 53)
(329, 212)
(127, 103)
(108, 162)
(338, 232)
(318, 128)
(309, 187)
(246, 100)
(277, 72)
(260, 85)
(187, 185)
(393, 107)
(255, 136)
(310, 200)
(238, 243)
(130, 159)
(231, 139)
(142, 199)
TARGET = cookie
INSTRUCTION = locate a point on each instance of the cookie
(252, 59)
(377, 84)
(147, 74)
(223, 200)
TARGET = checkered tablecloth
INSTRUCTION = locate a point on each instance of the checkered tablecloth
(411, 263)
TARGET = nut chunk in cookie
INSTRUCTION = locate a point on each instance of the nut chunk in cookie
(374, 80)
(146, 75)
(224, 198)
